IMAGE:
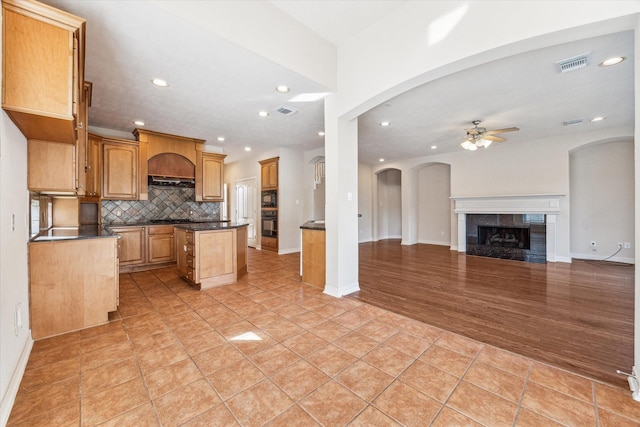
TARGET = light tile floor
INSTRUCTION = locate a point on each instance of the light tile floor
(272, 351)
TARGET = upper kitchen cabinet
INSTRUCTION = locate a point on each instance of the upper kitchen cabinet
(42, 69)
(93, 175)
(120, 169)
(269, 173)
(51, 167)
(210, 177)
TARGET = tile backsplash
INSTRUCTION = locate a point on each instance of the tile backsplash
(163, 203)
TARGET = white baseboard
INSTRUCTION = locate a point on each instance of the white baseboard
(435, 242)
(599, 257)
(12, 390)
(288, 251)
(562, 259)
(365, 240)
(342, 291)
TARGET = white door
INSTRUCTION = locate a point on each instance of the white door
(246, 211)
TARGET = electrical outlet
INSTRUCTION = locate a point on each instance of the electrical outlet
(594, 246)
(627, 245)
(619, 245)
(118, 212)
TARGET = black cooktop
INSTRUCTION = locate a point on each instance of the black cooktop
(169, 221)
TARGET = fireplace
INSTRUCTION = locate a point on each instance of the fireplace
(520, 237)
(538, 213)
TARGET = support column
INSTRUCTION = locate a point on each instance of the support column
(341, 211)
(409, 188)
(551, 230)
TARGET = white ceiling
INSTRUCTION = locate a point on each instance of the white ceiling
(217, 88)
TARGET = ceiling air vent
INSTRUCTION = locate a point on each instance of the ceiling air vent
(287, 111)
(573, 122)
(574, 63)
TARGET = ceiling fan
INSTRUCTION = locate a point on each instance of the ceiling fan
(481, 137)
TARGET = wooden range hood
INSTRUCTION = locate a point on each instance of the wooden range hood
(165, 155)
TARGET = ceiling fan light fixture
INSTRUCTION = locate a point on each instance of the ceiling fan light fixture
(487, 143)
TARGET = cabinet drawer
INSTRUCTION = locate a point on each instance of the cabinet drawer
(190, 247)
(191, 274)
(160, 229)
(190, 237)
(191, 261)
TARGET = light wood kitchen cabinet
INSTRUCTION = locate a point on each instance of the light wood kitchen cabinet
(52, 167)
(269, 211)
(43, 69)
(209, 258)
(93, 172)
(269, 173)
(120, 169)
(161, 245)
(131, 245)
(210, 177)
(73, 284)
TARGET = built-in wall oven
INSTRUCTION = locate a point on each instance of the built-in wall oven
(269, 223)
(269, 199)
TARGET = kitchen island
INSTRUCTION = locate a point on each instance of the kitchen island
(211, 254)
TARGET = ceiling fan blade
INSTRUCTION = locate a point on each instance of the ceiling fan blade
(494, 138)
(496, 131)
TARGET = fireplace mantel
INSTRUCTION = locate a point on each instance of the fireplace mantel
(520, 204)
(548, 204)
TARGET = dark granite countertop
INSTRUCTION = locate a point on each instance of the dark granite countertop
(144, 223)
(207, 226)
(314, 225)
(73, 233)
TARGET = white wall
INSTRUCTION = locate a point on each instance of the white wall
(602, 200)
(14, 286)
(291, 197)
(434, 205)
(389, 204)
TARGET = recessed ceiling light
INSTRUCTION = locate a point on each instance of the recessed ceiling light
(282, 88)
(309, 97)
(433, 147)
(247, 148)
(597, 119)
(160, 82)
(263, 113)
(384, 124)
(320, 133)
(612, 61)
(138, 123)
(381, 160)
(221, 138)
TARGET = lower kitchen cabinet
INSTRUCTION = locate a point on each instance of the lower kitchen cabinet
(132, 245)
(209, 258)
(73, 284)
(161, 246)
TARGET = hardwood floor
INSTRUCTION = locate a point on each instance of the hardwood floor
(576, 316)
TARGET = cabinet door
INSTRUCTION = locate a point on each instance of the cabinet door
(41, 69)
(269, 173)
(273, 175)
(51, 166)
(131, 245)
(212, 177)
(93, 175)
(120, 173)
(160, 247)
